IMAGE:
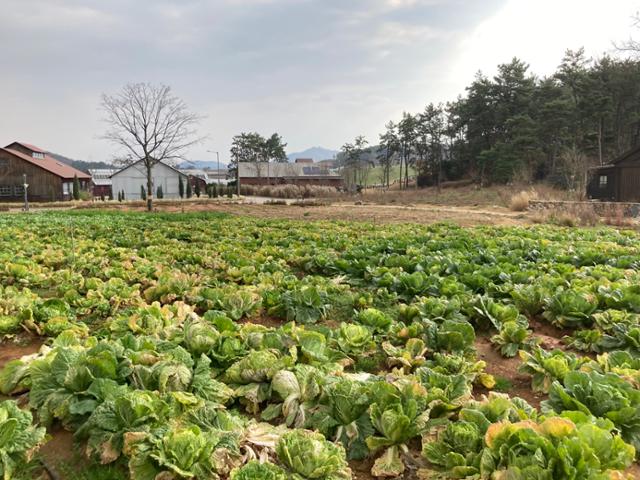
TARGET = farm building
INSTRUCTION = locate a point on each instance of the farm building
(618, 181)
(48, 179)
(101, 178)
(265, 173)
(207, 176)
(131, 178)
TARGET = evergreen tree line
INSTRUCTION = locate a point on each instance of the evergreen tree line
(212, 191)
(515, 127)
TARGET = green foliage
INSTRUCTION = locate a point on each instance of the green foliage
(501, 437)
(571, 308)
(343, 415)
(513, 336)
(606, 396)
(76, 188)
(19, 439)
(310, 456)
(398, 413)
(306, 304)
(546, 367)
(255, 470)
(374, 319)
(180, 186)
(168, 342)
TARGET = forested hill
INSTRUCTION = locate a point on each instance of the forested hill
(81, 165)
(516, 126)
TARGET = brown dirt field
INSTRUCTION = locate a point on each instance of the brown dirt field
(550, 336)
(58, 450)
(634, 471)
(263, 320)
(18, 347)
(499, 366)
(423, 213)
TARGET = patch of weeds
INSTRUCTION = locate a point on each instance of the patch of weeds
(70, 471)
(503, 384)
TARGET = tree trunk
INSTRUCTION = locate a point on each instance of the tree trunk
(406, 174)
(600, 128)
(401, 159)
(149, 187)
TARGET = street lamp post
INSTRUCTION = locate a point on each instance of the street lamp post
(218, 159)
(25, 185)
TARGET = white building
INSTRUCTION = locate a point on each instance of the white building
(209, 176)
(131, 178)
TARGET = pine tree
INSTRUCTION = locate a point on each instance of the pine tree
(76, 188)
(123, 196)
(180, 187)
(119, 196)
(230, 192)
(159, 193)
(143, 193)
(189, 191)
(214, 190)
(196, 190)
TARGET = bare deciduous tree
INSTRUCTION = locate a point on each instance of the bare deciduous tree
(575, 166)
(151, 124)
(631, 45)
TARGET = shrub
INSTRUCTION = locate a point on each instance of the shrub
(520, 201)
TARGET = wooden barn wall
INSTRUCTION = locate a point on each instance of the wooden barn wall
(43, 185)
(629, 184)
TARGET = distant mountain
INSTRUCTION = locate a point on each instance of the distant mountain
(81, 165)
(201, 165)
(317, 153)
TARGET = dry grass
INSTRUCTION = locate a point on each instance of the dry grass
(571, 216)
(614, 216)
(289, 191)
(462, 194)
(520, 201)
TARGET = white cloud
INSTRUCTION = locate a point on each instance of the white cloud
(540, 31)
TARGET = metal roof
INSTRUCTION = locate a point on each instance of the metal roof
(102, 176)
(47, 163)
(138, 161)
(283, 170)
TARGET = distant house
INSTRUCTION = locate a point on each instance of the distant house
(328, 163)
(618, 181)
(48, 178)
(101, 179)
(131, 178)
(304, 160)
(264, 173)
(208, 176)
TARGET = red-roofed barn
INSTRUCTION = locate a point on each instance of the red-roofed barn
(48, 178)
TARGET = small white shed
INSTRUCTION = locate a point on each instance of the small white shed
(132, 177)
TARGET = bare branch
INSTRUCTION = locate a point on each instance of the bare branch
(150, 124)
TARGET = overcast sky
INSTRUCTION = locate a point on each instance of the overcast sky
(319, 72)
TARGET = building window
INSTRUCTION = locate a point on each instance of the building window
(66, 188)
(5, 190)
(603, 181)
(18, 190)
(37, 155)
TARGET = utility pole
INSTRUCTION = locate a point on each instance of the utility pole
(218, 159)
(25, 185)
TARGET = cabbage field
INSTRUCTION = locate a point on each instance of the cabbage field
(204, 346)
